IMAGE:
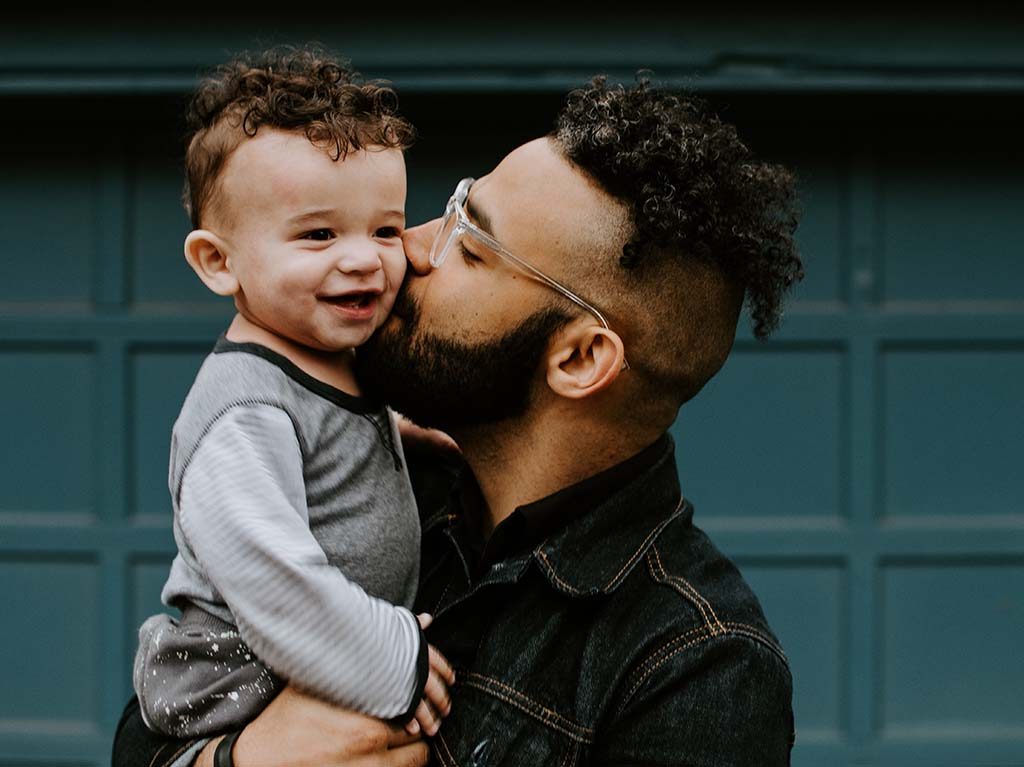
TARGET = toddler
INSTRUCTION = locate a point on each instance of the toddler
(296, 526)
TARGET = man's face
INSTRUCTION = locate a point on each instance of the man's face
(314, 243)
(466, 340)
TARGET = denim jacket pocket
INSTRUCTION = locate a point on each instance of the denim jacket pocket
(496, 724)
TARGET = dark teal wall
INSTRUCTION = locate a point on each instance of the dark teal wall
(863, 467)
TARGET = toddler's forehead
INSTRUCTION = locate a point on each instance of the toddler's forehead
(277, 174)
(272, 170)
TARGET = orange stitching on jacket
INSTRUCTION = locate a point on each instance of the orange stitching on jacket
(659, 664)
(702, 603)
(696, 596)
(662, 655)
(511, 689)
(550, 568)
(553, 715)
(654, 656)
(640, 549)
(661, 576)
(157, 754)
(551, 571)
(176, 754)
(690, 595)
(570, 755)
(526, 704)
(754, 633)
(443, 742)
(541, 717)
(440, 599)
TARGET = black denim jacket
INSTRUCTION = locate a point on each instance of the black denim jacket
(622, 638)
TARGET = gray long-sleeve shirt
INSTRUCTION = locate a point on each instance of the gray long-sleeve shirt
(295, 521)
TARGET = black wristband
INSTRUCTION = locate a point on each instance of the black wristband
(222, 754)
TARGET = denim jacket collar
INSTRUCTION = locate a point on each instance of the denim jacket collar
(598, 547)
(594, 553)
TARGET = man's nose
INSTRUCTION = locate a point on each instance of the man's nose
(417, 241)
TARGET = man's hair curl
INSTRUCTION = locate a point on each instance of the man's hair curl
(693, 188)
(288, 88)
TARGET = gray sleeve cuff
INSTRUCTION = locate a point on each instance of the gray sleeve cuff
(422, 672)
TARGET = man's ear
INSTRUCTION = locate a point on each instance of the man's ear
(206, 253)
(585, 360)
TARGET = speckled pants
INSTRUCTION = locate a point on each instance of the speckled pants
(196, 677)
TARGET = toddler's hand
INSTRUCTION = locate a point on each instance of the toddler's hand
(436, 703)
(417, 436)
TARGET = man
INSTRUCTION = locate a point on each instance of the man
(562, 310)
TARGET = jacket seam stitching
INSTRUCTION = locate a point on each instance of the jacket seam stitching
(570, 755)
(157, 754)
(686, 589)
(640, 549)
(524, 703)
(451, 759)
(435, 519)
(753, 633)
(176, 754)
(669, 650)
(655, 656)
(549, 568)
(734, 627)
(440, 599)
(654, 667)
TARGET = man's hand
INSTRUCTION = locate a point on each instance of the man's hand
(298, 730)
(436, 703)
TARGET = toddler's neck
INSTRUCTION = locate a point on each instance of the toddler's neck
(332, 368)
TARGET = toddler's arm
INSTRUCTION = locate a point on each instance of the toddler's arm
(243, 513)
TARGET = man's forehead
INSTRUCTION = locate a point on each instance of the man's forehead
(521, 176)
(536, 199)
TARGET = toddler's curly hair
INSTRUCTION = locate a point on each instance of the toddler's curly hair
(289, 88)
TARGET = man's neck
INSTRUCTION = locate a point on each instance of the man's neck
(332, 368)
(518, 462)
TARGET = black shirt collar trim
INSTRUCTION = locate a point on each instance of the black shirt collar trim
(531, 524)
(595, 553)
(359, 405)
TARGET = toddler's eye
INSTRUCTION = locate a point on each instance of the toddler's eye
(387, 232)
(321, 235)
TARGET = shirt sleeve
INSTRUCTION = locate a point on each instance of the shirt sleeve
(242, 508)
(725, 701)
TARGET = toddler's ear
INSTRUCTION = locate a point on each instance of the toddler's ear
(205, 253)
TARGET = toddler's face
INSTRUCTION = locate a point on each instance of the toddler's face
(314, 243)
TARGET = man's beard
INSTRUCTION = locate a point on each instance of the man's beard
(446, 384)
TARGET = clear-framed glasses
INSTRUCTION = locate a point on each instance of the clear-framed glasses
(456, 224)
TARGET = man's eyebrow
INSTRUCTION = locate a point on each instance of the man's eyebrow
(480, 218)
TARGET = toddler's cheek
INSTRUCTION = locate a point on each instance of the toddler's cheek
(395, 267)
(400, 265)
(387, 303)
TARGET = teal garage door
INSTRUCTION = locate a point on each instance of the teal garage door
(863, 467)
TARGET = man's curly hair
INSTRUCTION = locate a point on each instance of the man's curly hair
(693, 188)
(289, 88)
